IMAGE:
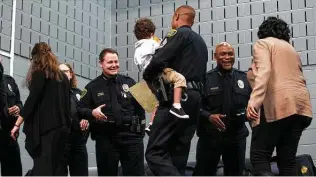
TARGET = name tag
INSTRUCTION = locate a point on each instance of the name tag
(214, 88)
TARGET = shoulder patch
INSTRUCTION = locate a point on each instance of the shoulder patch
(171, 33)
(83, 93)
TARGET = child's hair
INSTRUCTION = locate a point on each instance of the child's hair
(144, 28)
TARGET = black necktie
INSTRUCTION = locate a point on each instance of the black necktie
(116, 107)
(227, 86)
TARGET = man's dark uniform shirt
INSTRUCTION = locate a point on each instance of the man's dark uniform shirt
(225, 93)
(120, 136)
(182, 50)
(118, 110)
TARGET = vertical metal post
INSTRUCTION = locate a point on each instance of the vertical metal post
(12, 38)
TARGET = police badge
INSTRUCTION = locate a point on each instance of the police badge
(125, 87)
(78, 96)
(10, 88)
(240, 84)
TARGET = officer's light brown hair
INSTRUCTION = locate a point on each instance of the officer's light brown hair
(144, 28)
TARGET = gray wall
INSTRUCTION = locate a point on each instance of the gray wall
(234, 21)
(78, 29)
(75, 29)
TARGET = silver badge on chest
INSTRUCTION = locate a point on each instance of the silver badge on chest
(241, 84)
(10, 88)
(78, 96)
(125, 87)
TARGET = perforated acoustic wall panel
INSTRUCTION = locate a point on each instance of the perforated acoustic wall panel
(77, 30)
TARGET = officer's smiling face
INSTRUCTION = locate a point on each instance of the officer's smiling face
(225, 56)
(110, 64)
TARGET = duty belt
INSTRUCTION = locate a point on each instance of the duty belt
(194, 85)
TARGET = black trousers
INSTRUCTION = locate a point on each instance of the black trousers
(124, 147)
(211, 148)
(49, 159)
(284, 135)
(76, 152)
(10, 157)
(170, 140)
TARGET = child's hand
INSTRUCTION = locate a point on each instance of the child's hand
(156, 39)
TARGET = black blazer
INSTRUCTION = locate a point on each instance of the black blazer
(46, 108)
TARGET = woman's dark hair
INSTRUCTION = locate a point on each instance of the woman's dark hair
(144, 28)
(43, 60)
(274, 27)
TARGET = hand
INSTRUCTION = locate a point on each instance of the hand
(252, 113)
(97, 113)
(216, 120)
(15, 132)
(14, 110)
(84, 125)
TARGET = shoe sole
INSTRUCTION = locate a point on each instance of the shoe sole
(177, 115)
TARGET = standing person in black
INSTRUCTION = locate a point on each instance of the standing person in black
(184, 51)
(45, 113)
(76, 152)
(3, 95)
(10, 157)
(221, 127)
(117, 120)
(11, 105)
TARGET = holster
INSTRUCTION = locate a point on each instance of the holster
(137, 125)
(164, 90)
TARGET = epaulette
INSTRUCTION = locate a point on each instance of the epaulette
(124, 75)
(7, 76)
(240, 71)
(76, 89)
(211, 71)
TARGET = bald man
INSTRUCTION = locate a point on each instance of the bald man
(184, 51)
(221, 127)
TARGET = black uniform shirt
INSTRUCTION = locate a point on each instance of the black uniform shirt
(12, 99)
(226, 93)
(98, 92)
(75, 94)
(182, 50)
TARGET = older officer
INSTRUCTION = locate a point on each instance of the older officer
(221, 127)
(117, 120)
